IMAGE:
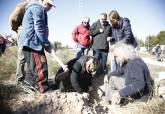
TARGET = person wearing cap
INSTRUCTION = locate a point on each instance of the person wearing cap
(34, 41)
(79, 77)
(81, 37)
(100, 30)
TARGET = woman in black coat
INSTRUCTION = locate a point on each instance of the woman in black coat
(79, 76)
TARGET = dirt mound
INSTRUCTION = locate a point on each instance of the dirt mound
(56, 103)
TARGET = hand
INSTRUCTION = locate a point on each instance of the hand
(106, 80)
(111, 47)
(85, 95)
(109, 38)
(90, 88)
(116, 98)
(101, 30)
(49, 50)
(65, 68)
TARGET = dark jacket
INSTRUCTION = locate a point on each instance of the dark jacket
(158, 50)
(78, 79)
(138, 81)
(100, 39)
(123, 33)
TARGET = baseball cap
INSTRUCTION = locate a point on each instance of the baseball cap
(86, 19)
(51, 2)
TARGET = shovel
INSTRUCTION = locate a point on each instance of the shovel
(65, 73)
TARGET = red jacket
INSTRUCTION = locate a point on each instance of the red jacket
(81, 35)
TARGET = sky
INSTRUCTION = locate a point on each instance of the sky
(147, 17)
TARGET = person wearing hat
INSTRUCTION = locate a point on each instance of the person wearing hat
(80, 74)
(81, 37)
(34, 41)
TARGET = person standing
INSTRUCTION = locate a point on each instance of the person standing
(100, 30)
(33, 40)
(15, 21)
(158, 52)
(121, 32)
(81, 36)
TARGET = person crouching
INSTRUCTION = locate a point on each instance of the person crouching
(80, 74)
(132, 80)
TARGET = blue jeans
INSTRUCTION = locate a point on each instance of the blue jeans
(101, 55)
(114, 64)
(81, 50)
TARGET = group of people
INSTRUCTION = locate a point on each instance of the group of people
(102, 36)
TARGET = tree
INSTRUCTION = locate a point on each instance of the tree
(153, 40)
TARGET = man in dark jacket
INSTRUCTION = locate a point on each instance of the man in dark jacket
(99, 31)
(79, 77)
(121, 32)
(131, 80)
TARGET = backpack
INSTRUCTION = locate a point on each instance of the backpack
(16, 16)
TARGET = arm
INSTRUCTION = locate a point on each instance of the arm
(74, 34)
(108, 31)
(117, 72)
(94, 30)
(136, 82)
(74, 77)
(41, 28)
(127, 31)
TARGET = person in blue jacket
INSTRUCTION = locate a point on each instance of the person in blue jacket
(130, 81)
(34, 40)
(121, 32)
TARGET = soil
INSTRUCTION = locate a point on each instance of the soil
(14, 100)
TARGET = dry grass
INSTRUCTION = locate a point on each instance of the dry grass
(8, 68)
(154, 106)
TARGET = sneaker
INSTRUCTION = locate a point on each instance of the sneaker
(27, 87)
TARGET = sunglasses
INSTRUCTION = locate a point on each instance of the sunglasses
(86, 22)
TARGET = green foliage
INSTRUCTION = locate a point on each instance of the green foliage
(151, 41)
(8, 63)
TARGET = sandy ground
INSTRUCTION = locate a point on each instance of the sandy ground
(14, 100)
